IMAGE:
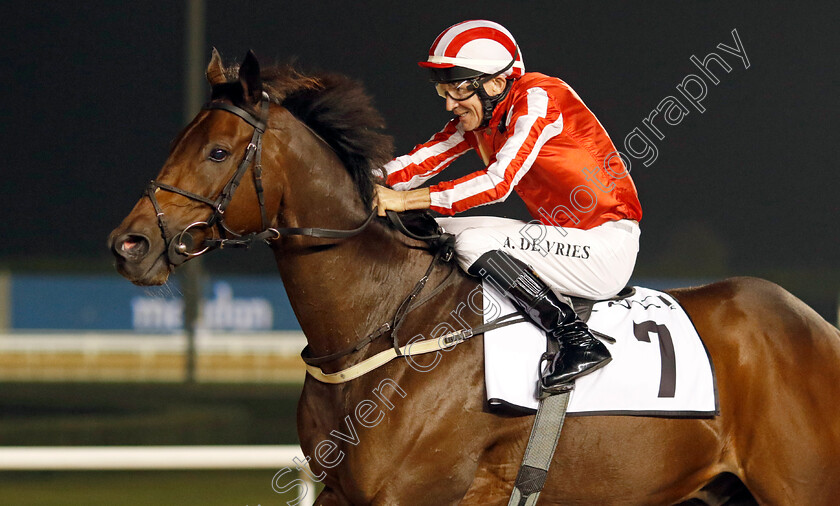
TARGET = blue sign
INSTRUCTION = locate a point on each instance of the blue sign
(236, 303)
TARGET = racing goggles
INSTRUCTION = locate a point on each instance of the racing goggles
(458, 91)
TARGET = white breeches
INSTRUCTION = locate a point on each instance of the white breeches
(593, 264)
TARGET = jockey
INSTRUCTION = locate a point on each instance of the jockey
(536, 137)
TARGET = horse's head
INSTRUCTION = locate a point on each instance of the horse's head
(212, 192)
(207, 191)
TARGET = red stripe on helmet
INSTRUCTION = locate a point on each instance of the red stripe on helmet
(437, 40)
(482, 32)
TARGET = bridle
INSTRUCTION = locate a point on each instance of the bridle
(179, 245)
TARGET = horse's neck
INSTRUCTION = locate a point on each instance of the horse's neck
(346, 292)
(340, 290)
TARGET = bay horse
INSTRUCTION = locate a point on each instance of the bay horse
(406, 435)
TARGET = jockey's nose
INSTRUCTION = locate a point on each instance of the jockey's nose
(451, 104)
(132, 247)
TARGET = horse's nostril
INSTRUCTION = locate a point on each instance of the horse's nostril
(132, 246)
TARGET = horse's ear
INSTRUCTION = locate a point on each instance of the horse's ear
(249, 77)
(215, 70)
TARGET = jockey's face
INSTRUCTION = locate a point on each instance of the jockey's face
(468, 109)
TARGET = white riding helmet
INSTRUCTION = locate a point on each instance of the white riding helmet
(473, 49)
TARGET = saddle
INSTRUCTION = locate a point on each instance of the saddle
(583, 307)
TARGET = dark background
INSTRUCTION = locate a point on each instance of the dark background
(93, 95)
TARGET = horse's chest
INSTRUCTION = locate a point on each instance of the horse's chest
(348, 432)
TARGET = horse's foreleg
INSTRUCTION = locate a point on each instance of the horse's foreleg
(498, 466)
(492, 485)
(329, 497)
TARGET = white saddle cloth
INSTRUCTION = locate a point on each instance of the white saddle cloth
(659, 367)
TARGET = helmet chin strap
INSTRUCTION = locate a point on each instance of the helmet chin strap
(488, 103)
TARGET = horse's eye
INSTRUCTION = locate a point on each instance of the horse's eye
(218, 155)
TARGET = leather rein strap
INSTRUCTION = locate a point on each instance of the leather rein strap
(408, 305)
(179, 247)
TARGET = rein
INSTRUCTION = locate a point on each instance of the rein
(418, 348)
(444, 248)
(179, 249)
(392, 326)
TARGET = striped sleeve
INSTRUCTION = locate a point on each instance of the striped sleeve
(535, 121)
(427, 159)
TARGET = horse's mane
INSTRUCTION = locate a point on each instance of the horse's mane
(339, 110)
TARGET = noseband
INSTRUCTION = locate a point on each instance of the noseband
(179, 245)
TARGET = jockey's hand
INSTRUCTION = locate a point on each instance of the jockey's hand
(387, 199)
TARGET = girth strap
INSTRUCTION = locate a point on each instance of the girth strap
(538, 454)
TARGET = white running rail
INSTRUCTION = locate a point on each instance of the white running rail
(124, 458)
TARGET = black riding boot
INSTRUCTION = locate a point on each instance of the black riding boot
(580, 352)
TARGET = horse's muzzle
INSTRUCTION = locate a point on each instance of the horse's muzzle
(139, 259)
(131, 247)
